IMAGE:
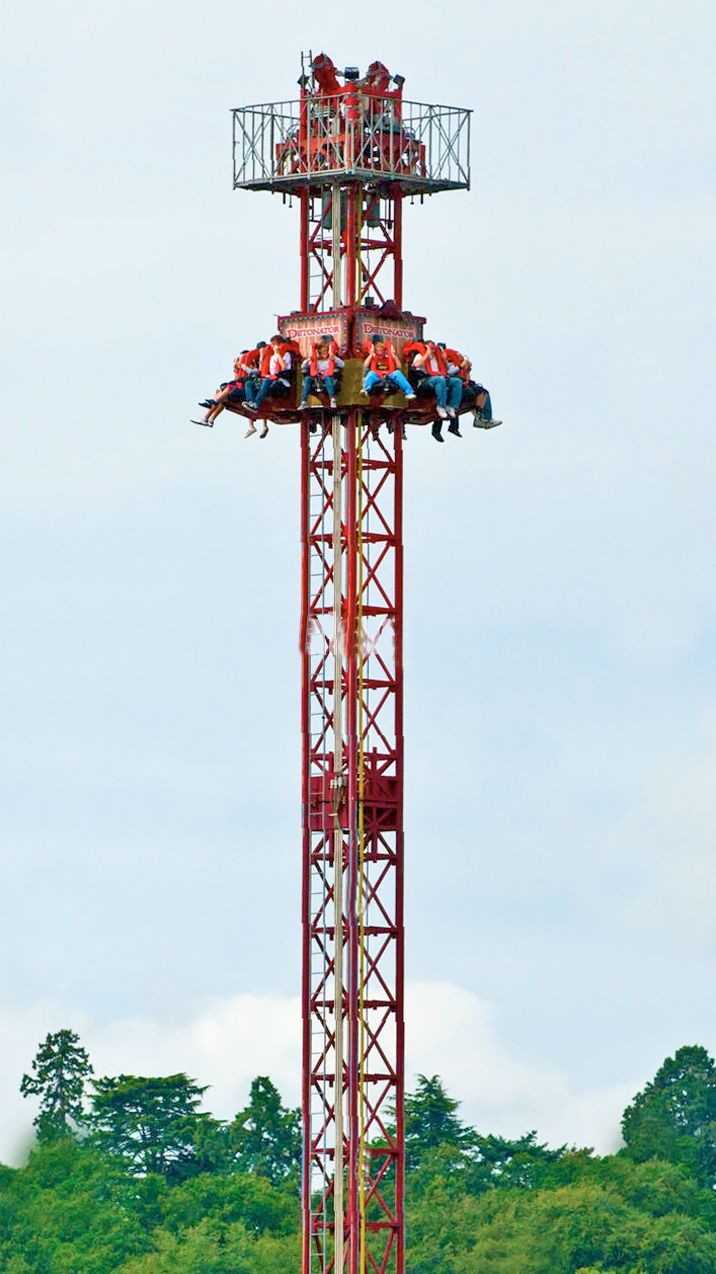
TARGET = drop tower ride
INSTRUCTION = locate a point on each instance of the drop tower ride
(350, 151)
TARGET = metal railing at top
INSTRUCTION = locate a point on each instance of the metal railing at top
(283, 146)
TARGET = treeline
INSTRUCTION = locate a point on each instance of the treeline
(130, 1176)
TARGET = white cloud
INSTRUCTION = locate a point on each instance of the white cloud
(452, 1032)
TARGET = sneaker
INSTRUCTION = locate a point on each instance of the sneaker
(480, 423)
(264, 430)
(332, 404)
(454, 428)
(251, 430)
(209, 423)
(452, 413)
(410, 398)
(251, 406)
(364, 393)
(303, 406)
(436, 432)
(208, 402)
(442, 413)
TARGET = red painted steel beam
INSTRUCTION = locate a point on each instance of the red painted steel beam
(368, 684)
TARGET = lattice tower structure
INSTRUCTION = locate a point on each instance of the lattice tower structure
(350, 154)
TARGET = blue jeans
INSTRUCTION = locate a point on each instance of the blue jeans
(438, 384)
(486, 411)
(454, 391)
(372, 379)
(311, 384)
(268, 385)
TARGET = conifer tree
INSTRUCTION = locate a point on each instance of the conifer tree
(266, 1135)
(59, 1069)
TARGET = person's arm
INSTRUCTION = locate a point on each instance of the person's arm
(305, 365)
(287, 361)
(367, 362)
(391, 350)
(339, 362)
(419, 361)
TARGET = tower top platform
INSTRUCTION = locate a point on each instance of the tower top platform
(355, 133)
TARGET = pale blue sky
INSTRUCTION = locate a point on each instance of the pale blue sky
(561, 706)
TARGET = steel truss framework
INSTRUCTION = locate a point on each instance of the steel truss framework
(351, 246)
(353, 1169)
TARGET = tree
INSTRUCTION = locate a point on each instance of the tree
(266, 1135)
(524, 1164)
(60, 1069)
(674, 1118)
(67, 1210)
(606, 1216)
(153, 1124)
(430, 1121)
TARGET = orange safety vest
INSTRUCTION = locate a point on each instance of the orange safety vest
(436, 354)
(454, 356)
(268, 352)
(313, 369)
(388, 360)
(412, 348)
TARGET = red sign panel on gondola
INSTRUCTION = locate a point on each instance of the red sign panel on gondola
(307, 328)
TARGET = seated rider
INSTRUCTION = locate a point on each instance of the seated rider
(232, 391)
(253, 360)
(482, 410)
(275, 367)
(382, 368)
(319, 373)
(448, 390)
(475, 395)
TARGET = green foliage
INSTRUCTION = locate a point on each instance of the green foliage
(60, 1069)
(232, 1251)
(75, 1210)
(431, 1121)
(161, 1188)
(524, 1164)
(66, 1211)
(154, 1126)
(438, 1144)
(266, 1136)
(674, 1117)
(245, 1197)
(598, 1221)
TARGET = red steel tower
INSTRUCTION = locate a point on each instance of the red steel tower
(350, 150)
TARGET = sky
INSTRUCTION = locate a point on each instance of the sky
(559, 571)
